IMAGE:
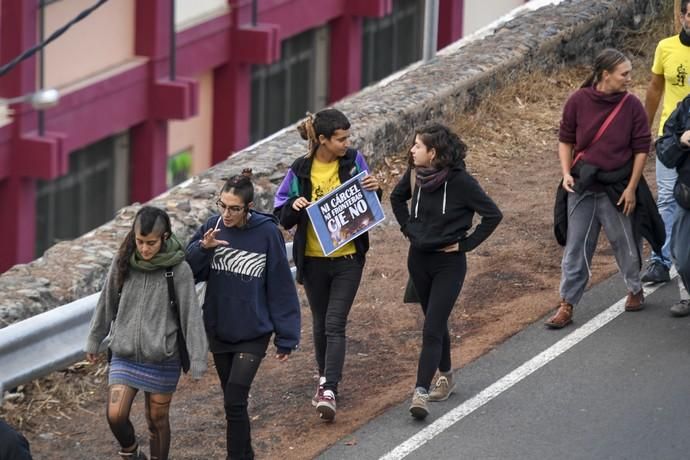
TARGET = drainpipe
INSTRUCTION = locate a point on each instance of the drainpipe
(430, 29)
(173, 43)
(41, 64)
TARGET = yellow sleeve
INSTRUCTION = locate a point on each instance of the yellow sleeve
(658, 64)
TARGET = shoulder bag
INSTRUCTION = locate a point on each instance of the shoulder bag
(181, 343)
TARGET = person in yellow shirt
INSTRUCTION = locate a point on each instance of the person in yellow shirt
(670, 80)
(330, 282)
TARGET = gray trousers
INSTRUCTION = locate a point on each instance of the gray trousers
(680, 246)
(587, 213)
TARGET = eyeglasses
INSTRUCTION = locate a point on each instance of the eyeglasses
(229, 209)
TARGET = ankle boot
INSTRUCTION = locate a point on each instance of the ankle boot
(635, 302)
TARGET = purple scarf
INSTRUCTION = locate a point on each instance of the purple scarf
(429, 179)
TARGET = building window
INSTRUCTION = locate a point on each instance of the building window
(284, 91)
(96, 186)
(179, 167)
(392, 42)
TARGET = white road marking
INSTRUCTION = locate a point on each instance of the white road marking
(517, 375)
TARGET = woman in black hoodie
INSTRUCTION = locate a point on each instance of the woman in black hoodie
(444, 197)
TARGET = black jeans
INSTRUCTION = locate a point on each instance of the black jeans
(331, 285)
(438, 278)
(13, 445)
(236, 372)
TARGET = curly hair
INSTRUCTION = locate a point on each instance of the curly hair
(450, 150)
(148, 219)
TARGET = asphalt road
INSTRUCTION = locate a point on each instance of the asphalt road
(614, 385)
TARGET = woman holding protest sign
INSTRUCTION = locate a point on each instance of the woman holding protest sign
(250, 295)
(148, 296)
(330, 282)
(445, 198)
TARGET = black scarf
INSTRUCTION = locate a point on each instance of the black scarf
(429, 179)
(684, 37)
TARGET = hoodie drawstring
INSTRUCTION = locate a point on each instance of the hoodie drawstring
(445, 187)
(416, 208)
(419, 194)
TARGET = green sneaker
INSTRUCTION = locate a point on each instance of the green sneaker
(444, 387)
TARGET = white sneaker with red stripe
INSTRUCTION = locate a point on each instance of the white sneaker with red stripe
(326, 405)
(319, 391)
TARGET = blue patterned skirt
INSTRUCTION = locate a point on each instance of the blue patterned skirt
(150, 377)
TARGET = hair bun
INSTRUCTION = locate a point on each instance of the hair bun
(306, 129)
(247, 172)
(302, 130)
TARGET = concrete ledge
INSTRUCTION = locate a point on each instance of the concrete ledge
(383, 117)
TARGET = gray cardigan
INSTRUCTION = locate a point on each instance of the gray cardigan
(145, 329)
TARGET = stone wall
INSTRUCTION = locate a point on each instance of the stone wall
(383, 117)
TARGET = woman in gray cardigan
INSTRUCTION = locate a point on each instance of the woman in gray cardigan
(135, 317)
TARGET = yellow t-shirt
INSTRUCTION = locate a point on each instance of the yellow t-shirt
(324, 178)
(672, 60)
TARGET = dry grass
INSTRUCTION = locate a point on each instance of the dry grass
(53, 396)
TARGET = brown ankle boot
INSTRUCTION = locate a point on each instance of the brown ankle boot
(635, 302)
(563, 316)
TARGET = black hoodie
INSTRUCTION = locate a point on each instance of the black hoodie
(669, 149)
(444, 216)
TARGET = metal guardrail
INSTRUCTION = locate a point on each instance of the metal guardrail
(52, 341)
(44, 343)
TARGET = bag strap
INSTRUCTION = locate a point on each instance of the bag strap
(602, 128)
(171, 295)
(117, 304)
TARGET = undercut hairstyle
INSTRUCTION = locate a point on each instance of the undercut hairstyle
(241, 185)
(607, 61)
(325, 122)
(148, 220)
(450, 149)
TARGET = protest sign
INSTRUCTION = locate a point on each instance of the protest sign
(344, 214)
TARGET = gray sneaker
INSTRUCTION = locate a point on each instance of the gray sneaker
(682, 308)
(420, 407)
(444, 387)
(656, 273)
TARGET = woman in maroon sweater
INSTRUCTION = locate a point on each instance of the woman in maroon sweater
(586, 149)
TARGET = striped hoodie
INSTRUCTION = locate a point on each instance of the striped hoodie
(249, 287)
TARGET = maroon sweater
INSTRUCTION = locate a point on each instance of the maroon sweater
(627, 134)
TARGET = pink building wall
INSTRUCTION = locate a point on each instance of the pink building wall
(137, 94)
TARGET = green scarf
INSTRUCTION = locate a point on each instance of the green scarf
(170, 255)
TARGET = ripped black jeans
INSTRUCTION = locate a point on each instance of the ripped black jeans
(236, 372)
